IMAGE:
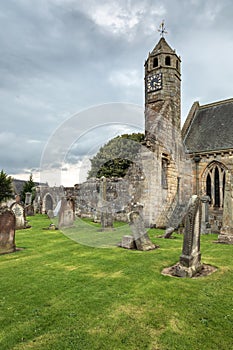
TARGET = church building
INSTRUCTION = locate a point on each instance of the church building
(191, 160)
(173, 162)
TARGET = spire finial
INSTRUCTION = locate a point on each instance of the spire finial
(162, 29)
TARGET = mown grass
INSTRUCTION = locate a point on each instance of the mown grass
(58, 294)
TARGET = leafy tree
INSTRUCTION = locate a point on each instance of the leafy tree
(115, 157)
(6, 189)
(29, 186)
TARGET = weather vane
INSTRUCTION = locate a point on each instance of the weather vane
(162, 29)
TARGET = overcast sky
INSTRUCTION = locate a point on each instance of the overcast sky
(61, 57)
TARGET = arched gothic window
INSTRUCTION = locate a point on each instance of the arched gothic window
(214, 183)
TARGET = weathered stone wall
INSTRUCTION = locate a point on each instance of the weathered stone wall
(164, 146)
(200, 165)
(47, 198)
(118, 198)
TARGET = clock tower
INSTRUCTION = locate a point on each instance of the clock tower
(163, 158)
(162, 87)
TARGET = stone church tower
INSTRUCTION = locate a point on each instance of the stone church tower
(162, 83)
(164, 162)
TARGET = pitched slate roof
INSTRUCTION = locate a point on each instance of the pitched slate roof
(210, 128)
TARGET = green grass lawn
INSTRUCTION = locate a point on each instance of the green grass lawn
(59, 294)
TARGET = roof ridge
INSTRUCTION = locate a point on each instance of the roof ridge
(217, 103)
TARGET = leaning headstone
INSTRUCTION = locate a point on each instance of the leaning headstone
(190, 259)
(18, 210)
(66, 214)
(205, 225)
(57, 208)
(139, 239)
(226, 232)
(7, 231)
(169, 231)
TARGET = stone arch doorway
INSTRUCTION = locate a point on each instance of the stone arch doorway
(48, 203)
(213, 183)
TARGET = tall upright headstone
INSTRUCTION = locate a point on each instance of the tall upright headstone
(190, 259)
(7, 231)
(29, 208)
(106, 217)
(66, 214)
(28, 198)
(20, 216)
(226, 232)
(205, 225)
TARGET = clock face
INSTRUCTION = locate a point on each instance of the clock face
(154, 82)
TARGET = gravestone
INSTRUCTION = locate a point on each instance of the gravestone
(226, 232)
(106, 217)
(7, 231)
(20, 218)
(190, 259)
(205, 224)
(29, 208)
(169, 231)
(128, 242)
(57, 209)
(50, 214)
(28, 198)
(139, 239)
(66, 214)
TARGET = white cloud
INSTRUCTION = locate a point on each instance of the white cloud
(125, 78)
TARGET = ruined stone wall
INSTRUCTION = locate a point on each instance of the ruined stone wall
(42, 192)
(119, 195)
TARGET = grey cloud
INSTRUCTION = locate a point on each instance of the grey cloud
(57, 59)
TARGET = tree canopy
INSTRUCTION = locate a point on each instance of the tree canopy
(115, 157)
(6, 189)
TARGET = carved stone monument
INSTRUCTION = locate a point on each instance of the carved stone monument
(226, 232)
(20, 216)
(7, 231)
(205, 225)
(106, 217)
(139, 239)
(66, 214)
(190, 259)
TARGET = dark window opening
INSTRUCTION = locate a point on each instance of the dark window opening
(223, 185)
(216, 188)
(155, 62)
(168, 60)
(177, 64)
(208, 187)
